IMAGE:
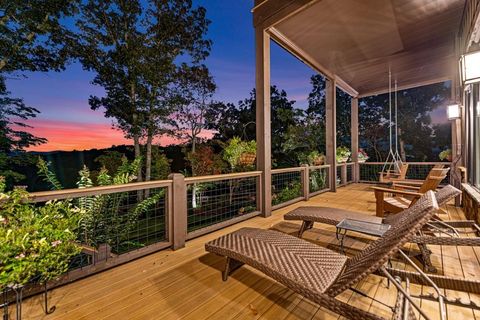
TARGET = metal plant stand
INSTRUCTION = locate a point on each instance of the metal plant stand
(47, 309)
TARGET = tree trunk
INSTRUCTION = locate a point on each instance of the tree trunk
(148, 157)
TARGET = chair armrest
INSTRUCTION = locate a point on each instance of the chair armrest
(405, 186)
(401, 192)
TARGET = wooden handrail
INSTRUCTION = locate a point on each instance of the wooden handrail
(324, 166)
(412, 163)
(219, 177)
(285, 170)
(96, 191)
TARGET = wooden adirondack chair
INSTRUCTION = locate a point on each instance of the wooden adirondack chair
(391, 175)
(436, 169)
(402, 196)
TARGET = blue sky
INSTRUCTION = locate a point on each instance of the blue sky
(62, 97)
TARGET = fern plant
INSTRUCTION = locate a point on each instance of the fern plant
(47, 175)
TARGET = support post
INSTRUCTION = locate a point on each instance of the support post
(354, 138)
(343, 175)
(331, 131)
(455, 177)
(262, 79)
(306, 182)
(179, 210)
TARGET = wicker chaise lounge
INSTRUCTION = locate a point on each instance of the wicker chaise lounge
(333, 216)
(428, 235)
(317, 273)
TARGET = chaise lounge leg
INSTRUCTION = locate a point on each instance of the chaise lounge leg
(230, 266)
(425, 258)
(306, 225)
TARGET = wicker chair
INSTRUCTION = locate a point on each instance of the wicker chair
(429, 235)
(317, 273)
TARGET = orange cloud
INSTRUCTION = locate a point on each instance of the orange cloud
(67, 136)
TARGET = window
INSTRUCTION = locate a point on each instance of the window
(472, 105)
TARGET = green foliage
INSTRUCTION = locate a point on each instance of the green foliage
(37, 242)
(445, 154)
(160, 165)
(343, 154)
(235, 148)
(110, 160)
(3, 184)
(48, 176)
(314, 157)
(291, 191)
(318, 180)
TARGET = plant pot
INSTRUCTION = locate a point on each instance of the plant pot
(247, 159)
(449, 158)
(319, 161)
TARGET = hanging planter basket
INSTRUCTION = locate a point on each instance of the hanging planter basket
(247, 159)
(319, 161)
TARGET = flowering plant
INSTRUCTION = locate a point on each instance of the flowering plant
(445, 155)
(37, 241)
(343, 154)
(362, 155)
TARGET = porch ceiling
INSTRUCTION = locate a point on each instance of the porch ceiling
(356, 41)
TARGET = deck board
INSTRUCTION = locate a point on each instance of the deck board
(186, 284)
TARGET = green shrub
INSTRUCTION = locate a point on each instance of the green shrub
(37, 242)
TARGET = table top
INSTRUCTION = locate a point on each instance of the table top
(370, 228)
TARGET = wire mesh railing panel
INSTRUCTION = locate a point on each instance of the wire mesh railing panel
(286, 186)
(350, 168)
(125, 221)
(116, 223)
(319, 179)
(370, 172)
(210, 203)
(339, 175)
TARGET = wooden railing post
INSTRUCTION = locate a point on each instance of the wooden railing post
(306, 181)
(343, 174)
(179, 208)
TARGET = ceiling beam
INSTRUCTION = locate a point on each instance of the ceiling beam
(405, 87)
(304, 57)
(270, 12)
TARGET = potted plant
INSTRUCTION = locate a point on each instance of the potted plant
(362, 156)
(343, 154)
(315, 158)
(38, 242)
(446, 155)
(240, 153)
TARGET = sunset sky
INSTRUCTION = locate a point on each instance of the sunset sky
(68, 123)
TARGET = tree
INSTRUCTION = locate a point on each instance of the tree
(32, 39)
(134, 49)
(32, 35)
(196, 90)
(14, 138)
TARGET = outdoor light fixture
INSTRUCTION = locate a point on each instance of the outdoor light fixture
(453, 112)
(470, 67)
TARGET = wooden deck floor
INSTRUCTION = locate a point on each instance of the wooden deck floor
(186, 284)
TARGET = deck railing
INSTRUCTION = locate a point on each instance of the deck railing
(213, 202)
(133, 220)
(292, 185)
(369, 171)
